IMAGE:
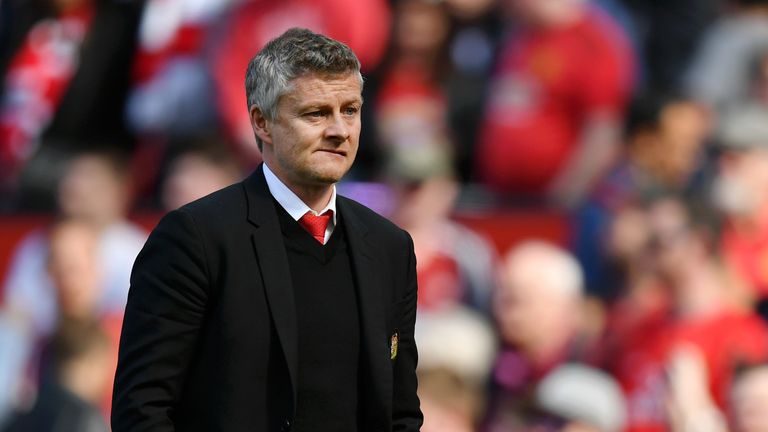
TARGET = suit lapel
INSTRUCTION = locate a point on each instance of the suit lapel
(275, 272)
(368, 282)
(273, 263)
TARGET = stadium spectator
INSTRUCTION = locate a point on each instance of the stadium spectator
(77, 275)
(172, 93)
(641, 301)
(410, 105)
(705, 313)
(741, 193)
(664, 153)
(68, 397)
(665, 142)
(447, 402)
(195, 170)
(454, 264)
(452, 376)
(472, 47)
(95, 189)
(537, 308)
(64, 74)
(556, 100)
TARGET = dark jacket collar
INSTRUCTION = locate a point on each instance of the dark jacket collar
(259, 213)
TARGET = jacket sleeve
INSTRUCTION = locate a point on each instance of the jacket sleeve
(406, 414)
(165, 310)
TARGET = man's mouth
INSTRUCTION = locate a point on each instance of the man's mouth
(334, 151)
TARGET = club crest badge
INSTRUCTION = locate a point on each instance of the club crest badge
(393, 345)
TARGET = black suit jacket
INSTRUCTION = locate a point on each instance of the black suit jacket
(209, 337)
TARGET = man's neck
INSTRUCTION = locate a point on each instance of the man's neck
(315, 197)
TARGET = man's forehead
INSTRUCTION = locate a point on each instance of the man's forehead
(313, 85)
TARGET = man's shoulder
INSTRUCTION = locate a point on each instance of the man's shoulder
(216, 217)
(217, 205)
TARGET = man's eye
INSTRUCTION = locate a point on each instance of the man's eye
(314, 114)
(351, 110)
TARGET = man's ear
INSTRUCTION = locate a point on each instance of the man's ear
(260, 125)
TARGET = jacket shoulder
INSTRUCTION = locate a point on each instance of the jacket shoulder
(219, 205)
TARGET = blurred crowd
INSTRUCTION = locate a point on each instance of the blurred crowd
(643, 122)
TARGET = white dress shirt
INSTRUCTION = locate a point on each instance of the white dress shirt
(294, 205)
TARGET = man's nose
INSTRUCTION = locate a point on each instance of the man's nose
(338, 129)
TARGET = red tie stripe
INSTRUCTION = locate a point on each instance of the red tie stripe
(316, 225)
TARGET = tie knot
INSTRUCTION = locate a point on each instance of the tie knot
(316, 225)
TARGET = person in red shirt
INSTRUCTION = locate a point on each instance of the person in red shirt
(741, 192)
(704, 321)
(63, 79)
(410, 102)
(555, 104)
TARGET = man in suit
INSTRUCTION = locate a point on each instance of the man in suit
(275, 304)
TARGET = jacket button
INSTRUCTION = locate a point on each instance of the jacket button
(286, 426)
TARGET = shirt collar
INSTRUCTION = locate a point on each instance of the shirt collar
(292, 203)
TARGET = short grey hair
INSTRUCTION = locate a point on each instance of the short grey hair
(295, 53)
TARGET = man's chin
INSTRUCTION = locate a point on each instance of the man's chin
(328, 177)
(327, 180)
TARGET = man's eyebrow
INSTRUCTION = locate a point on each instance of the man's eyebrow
(356, 99)
(319, 104)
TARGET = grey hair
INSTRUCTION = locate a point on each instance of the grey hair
(295, 53)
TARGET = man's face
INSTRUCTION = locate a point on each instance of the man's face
(526, 310)
(91, 189)
(313, 139)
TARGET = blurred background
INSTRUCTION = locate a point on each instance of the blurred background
(586, 183)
